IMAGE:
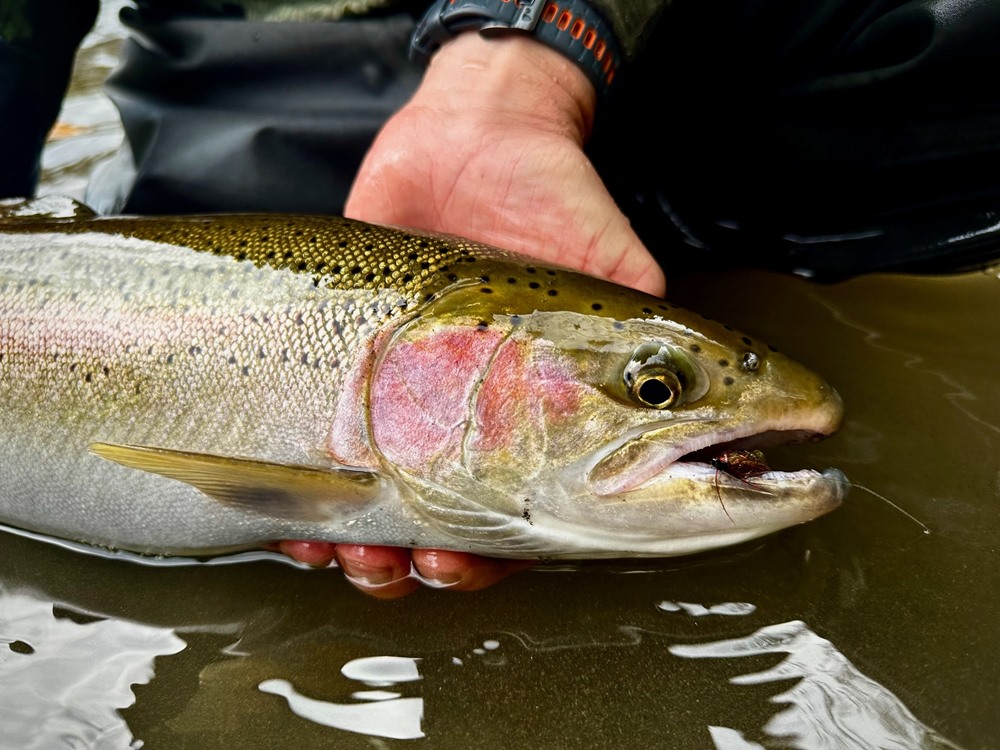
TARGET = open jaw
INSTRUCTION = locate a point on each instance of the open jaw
(731, 460)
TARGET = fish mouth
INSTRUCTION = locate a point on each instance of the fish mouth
(709, 452)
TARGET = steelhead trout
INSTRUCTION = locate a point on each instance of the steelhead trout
(200, 385)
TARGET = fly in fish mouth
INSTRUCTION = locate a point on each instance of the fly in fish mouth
(729, 456)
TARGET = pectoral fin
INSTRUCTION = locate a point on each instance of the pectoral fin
(291, 491)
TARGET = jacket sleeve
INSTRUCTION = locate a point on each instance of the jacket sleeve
(632, 21)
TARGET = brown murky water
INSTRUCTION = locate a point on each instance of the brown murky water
(868, 628)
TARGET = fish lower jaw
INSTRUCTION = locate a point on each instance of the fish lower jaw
(707, 473)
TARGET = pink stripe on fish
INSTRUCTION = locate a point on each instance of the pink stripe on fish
(421, 394)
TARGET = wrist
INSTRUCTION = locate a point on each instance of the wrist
(512, 81)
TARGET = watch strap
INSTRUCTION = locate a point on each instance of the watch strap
(571, 27)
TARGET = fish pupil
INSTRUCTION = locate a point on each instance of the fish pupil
(655, 392)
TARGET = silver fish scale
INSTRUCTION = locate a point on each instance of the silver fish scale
(99, 323)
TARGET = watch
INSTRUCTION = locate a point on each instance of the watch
(571, 27)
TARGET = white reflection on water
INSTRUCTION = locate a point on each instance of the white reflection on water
(832, 707)
(383, 714)
(62, 682)
(728, 609)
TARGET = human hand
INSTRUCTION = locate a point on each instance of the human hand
(491, 148)
(391, 572)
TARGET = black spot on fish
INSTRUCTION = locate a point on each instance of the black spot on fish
(552, 292)
(194, 350)
(20, 647)
(424, 265)
(773, 349)
(511, 280)
(486, 290)
(550, 272)
(452, 277)
(482, 325)
(746, 340)
(386, 271)
(728, 380)
(597, 306)
(88, 377)
(407, 278)
(301, 266)
(170, 359)
(535, 285)
(695, 348)
(723, 363)
(356, 270)
(530, 269)
(618, 325)
(245, 370)
(231, 360)
(369, 277)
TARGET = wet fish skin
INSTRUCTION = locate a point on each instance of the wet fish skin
(199, 385)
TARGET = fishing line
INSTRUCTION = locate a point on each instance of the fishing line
(913, 518)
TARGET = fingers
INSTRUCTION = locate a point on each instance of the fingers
(382, 572)
(392, 572)
(461, 571)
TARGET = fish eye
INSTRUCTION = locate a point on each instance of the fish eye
(657, 376)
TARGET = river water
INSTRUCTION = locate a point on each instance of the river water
(873, 627)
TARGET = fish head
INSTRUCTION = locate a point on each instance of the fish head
(588, 429)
